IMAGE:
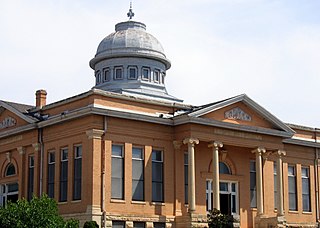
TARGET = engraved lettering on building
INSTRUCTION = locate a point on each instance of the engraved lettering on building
(237, 114)
(8, 122)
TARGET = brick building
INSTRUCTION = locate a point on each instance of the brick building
(128, 154)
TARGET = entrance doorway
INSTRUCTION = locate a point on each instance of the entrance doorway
(228, 197)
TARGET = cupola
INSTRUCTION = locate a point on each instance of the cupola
(131, 61)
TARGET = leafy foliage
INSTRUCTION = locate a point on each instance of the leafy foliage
(39, 212)
(218, 220)
(90, 224)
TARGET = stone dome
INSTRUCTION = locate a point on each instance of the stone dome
(130, 39)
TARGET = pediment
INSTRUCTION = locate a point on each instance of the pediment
(11, 118)
(241, 110)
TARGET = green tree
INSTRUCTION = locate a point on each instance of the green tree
(39, 212)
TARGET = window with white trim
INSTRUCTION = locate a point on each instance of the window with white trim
(117, 172)
(292, 188)
(77, 172)
(63, 194)
(156, 76)
(305, 176)
(132, 72)
(157, 176)
(253, 190)
(118, 73)
(9, 192)
(51, 173)
(118, 224)
(106, 74)
(137, 173)
(145, 73)
(10, 170)
(30, 177)
(139, 224)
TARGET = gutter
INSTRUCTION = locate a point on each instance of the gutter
(103, 173)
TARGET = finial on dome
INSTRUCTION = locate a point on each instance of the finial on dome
(130, 14)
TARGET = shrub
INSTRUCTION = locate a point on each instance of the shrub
(218, 220)
(90, 224)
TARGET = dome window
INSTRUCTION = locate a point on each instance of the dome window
(118, 73)
(11, 170)
(163, 76)
(145, 73)
(98, 77)
(132, 72)
(156, 76)
(106, 75)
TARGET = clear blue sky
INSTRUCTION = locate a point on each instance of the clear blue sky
(268, 49)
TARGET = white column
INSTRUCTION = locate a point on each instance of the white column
(280, 210)
(215, 170)
(191, 173)
(259, 178)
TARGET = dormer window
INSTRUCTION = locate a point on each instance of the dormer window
(145, 73)
(132, 72)
(98, 77)
(106, 74)
(118, 73)
(156, 76)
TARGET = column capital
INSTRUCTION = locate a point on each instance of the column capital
(191, 141)
(94, 134)
(177, 144)
(259, 151)
(281, 153)
(216, 144)
(21, 150)
(36, 147)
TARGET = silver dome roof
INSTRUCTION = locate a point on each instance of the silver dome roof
(130, 39)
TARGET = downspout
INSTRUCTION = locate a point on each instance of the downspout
(103, 172)
(316, 174)
(40, 140)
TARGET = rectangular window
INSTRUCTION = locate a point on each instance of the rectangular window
(117, 173)
(106, 75)
(77, 172)
(137, 174)
(31, 177)
(157, 176)
(118, 224)
(145, 73)
(305, 189)
(139, 225)
(186, 178)
(275, 185)
(292, 185)
(51, 171)
(253, 190)
(132, 73)
(98, 77)
(118, 73)
(63, 175)
(156, 76)
(159, 225)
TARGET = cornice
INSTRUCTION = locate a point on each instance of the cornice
(301, 143)
(18, 130)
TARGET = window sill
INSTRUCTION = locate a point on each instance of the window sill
(62, 203)
(139, 202)
(307, 212)
(254, 209)
(76, 201)
(294, 212)
(157, 204)
(117, 201)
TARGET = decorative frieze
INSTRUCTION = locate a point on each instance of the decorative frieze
(237, 114)
(8, 122)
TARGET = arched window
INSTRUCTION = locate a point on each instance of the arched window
(223, 168)
(11, 170)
